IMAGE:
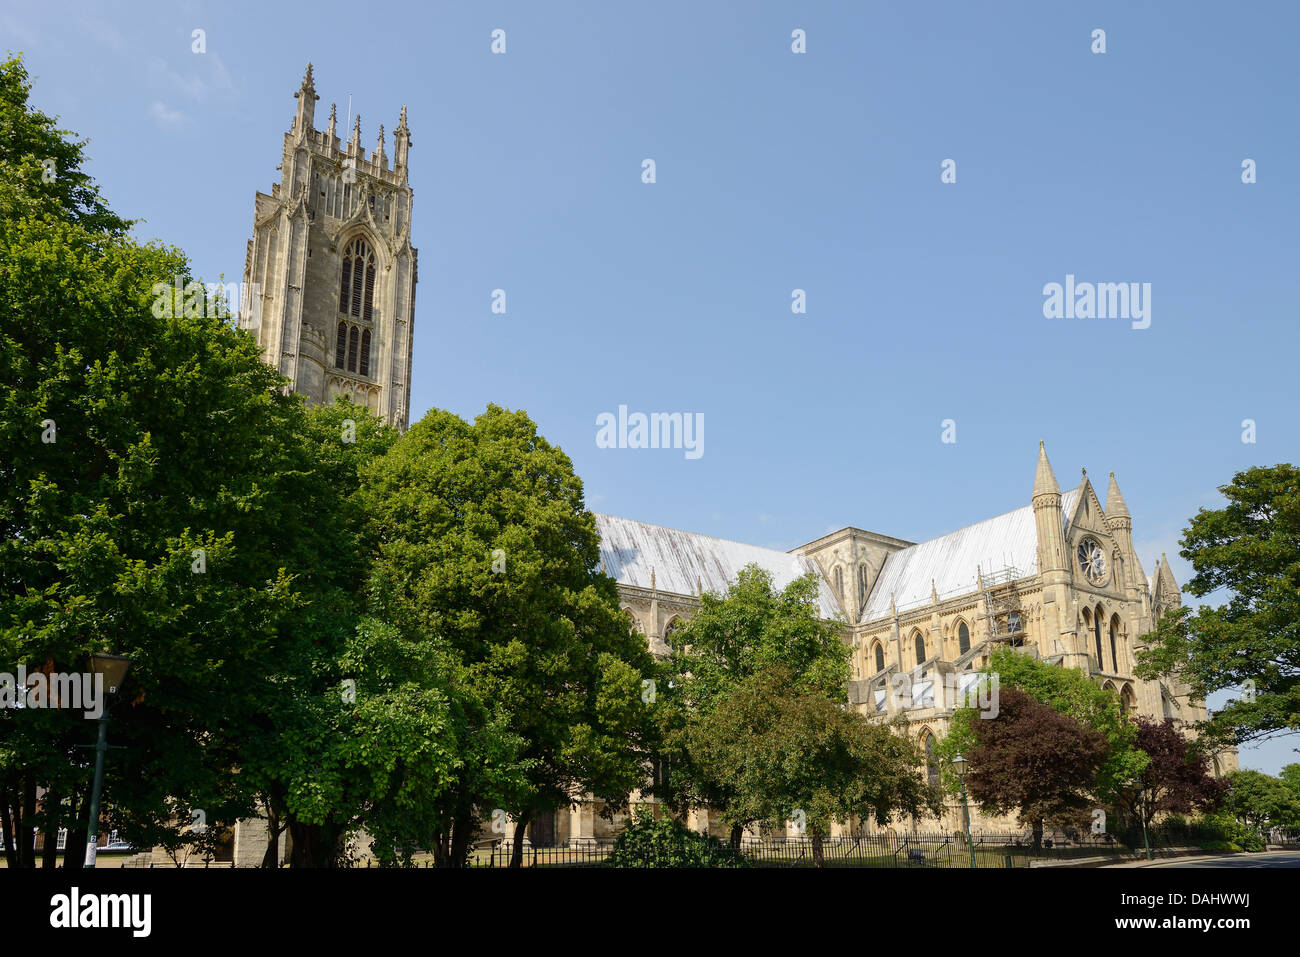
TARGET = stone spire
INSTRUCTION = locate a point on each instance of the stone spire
(1048, 521)
(331, 132)
(381, 158)
(1167, 575)
(1044, 477)
(401, 144)
(1115, 506)
(306, 97)
(354, 143)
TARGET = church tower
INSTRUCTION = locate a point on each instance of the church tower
(331, 268)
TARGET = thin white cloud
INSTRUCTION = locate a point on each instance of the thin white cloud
(207, 78)
(167, 118)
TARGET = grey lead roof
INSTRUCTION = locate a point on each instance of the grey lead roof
(952, 561)
(683, 562)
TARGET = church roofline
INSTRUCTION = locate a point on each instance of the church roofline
(852, 531)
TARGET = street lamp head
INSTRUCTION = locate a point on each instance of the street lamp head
(959, 765)
(112, 668)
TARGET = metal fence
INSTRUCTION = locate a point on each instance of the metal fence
(876, 850)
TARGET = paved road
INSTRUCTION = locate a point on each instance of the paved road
(1267, 859)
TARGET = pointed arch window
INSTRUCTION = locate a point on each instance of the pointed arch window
(1114, 644)
(352, 349)
(931, 762)
(357, 285)
(670, 632)
(920, 648)
(880, 658)
(863, 574)
(963, 639)
(1096, 631)
(356, 301)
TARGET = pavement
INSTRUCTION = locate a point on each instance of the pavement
(1231, 861)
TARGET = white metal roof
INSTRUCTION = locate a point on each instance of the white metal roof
(683, 562)
(951, 562)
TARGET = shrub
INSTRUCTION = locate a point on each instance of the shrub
(1223, 832)
(646, 842)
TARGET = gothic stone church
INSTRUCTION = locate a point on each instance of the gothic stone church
(1057, 578)
(332, 261)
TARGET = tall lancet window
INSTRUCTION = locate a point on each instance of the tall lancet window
(356, 301)
(357, 288)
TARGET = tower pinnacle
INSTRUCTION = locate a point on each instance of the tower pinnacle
(1044, 477)
(1115, 505)
(306, 97)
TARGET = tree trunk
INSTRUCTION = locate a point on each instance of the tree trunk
(7, 829)
(1038, 834)
(517, 851)
(272, 802)
(819, 859)
(27, 829)
(737, 831)
(74, 855)
(271, 859)
(50, 852)
(313, 845)
(462, 832)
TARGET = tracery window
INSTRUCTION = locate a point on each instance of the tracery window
(931, 762)
(356, 301)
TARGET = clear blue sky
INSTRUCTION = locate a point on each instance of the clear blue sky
(776, 171)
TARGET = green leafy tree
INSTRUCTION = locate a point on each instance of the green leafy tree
(160, 500)
(483, 546)
(1250, 550)
(1290, 776)
(784, 752)
(731, 639)
(1261, 801)
(40, 166)
(147, 496)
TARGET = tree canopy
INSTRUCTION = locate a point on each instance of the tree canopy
(1249, 550)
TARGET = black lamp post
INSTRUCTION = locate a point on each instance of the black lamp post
(960, 764)
(1142, 813)
(112, 668)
